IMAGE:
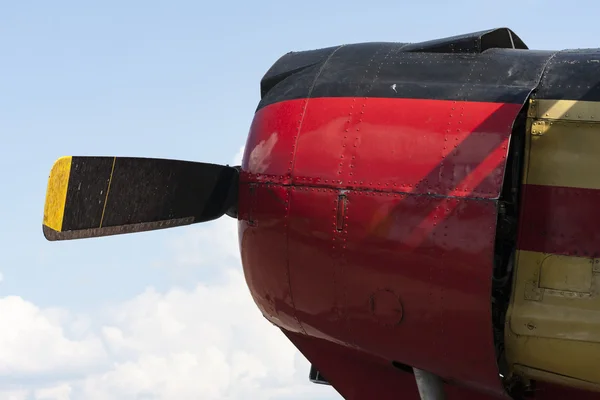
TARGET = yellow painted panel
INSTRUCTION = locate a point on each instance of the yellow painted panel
(555, 313)
(568, 110)
(553, 319)
(540, 375)
(56, 193)
(564, 154)
(565, 273)
(554, 330)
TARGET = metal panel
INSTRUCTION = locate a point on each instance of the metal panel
(446, 148)
(476, 42)
(387, 233)
(386, 70)
(554, 318)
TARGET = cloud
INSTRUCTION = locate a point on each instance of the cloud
(33, 342)
(209, 341)
(60, 392)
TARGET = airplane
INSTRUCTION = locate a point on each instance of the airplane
(419, 219)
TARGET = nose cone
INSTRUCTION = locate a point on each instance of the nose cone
(264, 202)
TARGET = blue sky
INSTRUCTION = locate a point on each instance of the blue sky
(180, 80)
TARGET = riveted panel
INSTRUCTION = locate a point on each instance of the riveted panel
(553, 321)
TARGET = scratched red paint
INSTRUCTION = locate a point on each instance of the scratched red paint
(264, 253)
(314, 255)
(268, 154)
(407, 145)
(317, 276)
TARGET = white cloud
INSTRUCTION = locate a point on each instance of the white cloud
(14, 395)
(206, 248)
(60, 392)
(27, 330)
(209, 342)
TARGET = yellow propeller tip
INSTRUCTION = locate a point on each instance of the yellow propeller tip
(56, 194)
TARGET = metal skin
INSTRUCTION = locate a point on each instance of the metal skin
(371, 204)
(401, 257)
(555, 307)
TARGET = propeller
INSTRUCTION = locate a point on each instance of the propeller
(101, 196)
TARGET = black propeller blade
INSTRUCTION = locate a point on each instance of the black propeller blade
(101, 196)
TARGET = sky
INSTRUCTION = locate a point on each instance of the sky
(167, 314)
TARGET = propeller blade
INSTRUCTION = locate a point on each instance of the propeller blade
(101, 196)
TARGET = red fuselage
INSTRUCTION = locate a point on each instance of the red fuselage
(365, 226)
(379, 208)
(367, 236)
